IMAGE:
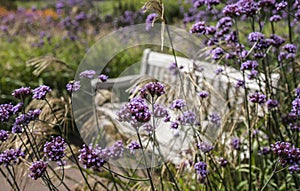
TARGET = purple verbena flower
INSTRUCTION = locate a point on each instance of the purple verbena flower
(174, 125)
(55, 150)
(11, 157)
(160, 111)
(133, 146)
(178, 104)
(287, 153)
(6, 110)
(22, 92)
(205, 147)
(240, 83)
(3, 135)
(103, 77)
(280, 6)
(198, 27)
(294, 168)
(255, 36)
(219, 71)
(264, 151)
(188, 117)
(277, 40)
(235, 143)
(155, 89)
(150, 19)
(203, 94)
(116, 151)
(41, 92)
(296, 107)
(136, 112)
(73, 86)
(257, 98)
(87, 74)
(249, 64)
(290, 48)
(201, 170)
(37, 169)
(275, 18)
(223, 162)
(90, 157)
(215, 118)
(217, 53)
(272, 103)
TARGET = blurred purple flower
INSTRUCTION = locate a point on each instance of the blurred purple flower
(271, 103)
(73, 86)
(235, 143)
(40, 92)
(133, 146)
(87, 74)
(3, 135)
(150, 19)
(178, 104)
(22, 92)
(203, 94)
(205, 147)
(103, 77)
(11, 157)
(280, 6)
(275, 18)
(257, 98)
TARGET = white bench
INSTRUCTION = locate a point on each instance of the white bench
(156, 65)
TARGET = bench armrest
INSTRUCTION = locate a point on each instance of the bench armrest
(120, 82)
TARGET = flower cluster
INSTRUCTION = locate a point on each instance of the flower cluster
(103, 77)
(205, 147)
(87, 74)
(152, 88)
(288, 154)
(203, 94)
(188, 117)
(90, 157)
(11, 157)
(178, 104)
(41, 92)
(116, 151)
(6, 110)
(150, 19)
(55, 149)
(96, 157)
(37, 169)
(272, 103)
(257, 98)
(133, 146)
(160, 111)
(296, 107)
(24, 119)
(3, 135)
(22, 92)
(135, 112)
(73, 86)
(201, 170)
(235, 143)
